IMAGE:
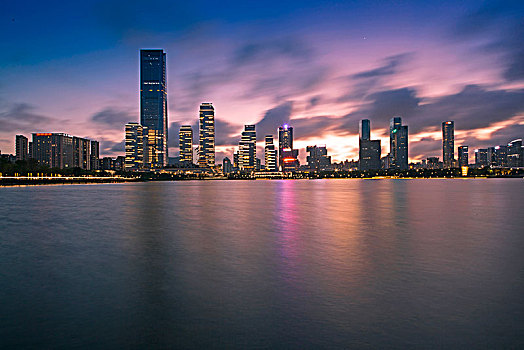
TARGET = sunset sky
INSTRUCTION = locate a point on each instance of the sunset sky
(321, 66)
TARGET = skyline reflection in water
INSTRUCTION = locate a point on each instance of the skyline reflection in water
(292, 264)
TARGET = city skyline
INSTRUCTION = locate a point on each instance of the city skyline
(321, 80)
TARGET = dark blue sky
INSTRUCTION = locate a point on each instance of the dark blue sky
(73, 67)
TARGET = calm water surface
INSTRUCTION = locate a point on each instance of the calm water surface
(263, 264)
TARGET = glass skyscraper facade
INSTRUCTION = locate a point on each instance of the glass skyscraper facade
(247, 149)
(285, 141)
(270, 154)
(153, 104)
(463, 156)
(134, 159)
(369, 151)
(398, 143)
(185, 138)
(206, 148)
(448, 143)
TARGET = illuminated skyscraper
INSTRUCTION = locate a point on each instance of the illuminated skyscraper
(398, 141)
(206, 149)
(247, 149)
(285, 141)
(53, 149)
(153, 104)
(134, 146)
(448, 143)
(463, 156)
(21, 147)
(94, 155)
(81, 153)
(515, 153)
(270, 154)
(186, 145)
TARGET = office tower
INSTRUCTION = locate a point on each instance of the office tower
(318, 159)
(270, 154)
(134, 159)
(30, 150)
(463, 156)
(369, 155)
(54, 150)
(247, 149)
(81, 153)
(153, 104)
(501, 156)
(290, 159)
(481, 157)
(285, 140)
(515, 153)
(258, 164)
(448, 143)
(365, 129)
(398, 141)
(95, 154)
(21, 147)
(186, 145)
(369, 151)
(491, 156)
(206, 150)
(227, 167)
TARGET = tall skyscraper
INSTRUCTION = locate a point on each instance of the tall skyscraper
(81, 153)
(448, 143)
(515, 153)
(369, 151)
(270, 154)
(365, 129)
(53, 149)
(463, 156)
(247, 149)
(135, 146)
(95, 154)
(227, 167)
(398, 141)
(206, 149)
(21, 147)
(501, 156)
(153, 104)
(285, 141)
(186, 145)
(481, 158)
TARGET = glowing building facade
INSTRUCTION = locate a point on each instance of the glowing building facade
(206, 148)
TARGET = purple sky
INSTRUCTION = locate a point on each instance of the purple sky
(321, 66)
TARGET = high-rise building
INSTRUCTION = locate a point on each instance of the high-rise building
(463, 156)
(21, 147)
(398, 141)
(206, 150)
(491, 156)
(501, 156)
(369, 151)
(365, 129)
(135, 146)
(515, 153)
(318, 159)
(285, 141)
(448, 143)
(153, 104)
(247, 149)
(270, 154)
(227, 167)
(186, 145)
(81, 153)
(95, 154)
(53, 149)
(290, 160)
(481, 158)
(235, 160)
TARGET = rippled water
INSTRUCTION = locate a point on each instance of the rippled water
(264, 264)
